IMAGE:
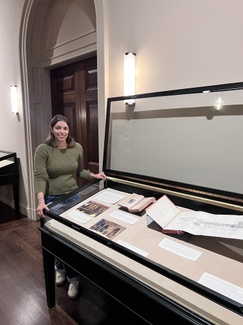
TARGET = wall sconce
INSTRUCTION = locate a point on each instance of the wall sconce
(14, 99)
(129, 76)
(219, 104)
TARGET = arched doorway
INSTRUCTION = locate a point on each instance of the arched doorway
(37, 59)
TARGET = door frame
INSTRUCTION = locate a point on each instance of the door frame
(28, 79)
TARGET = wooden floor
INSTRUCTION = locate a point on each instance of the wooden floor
(22, 287)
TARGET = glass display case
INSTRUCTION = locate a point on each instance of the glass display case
(9, 174)
(177, 145)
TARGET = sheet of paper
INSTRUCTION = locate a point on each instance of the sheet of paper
(182, 220)
(179, 249)
(124, 216)
(223, 287)
(109, 197)
(206, 224)
(132, 248)
(79, 216)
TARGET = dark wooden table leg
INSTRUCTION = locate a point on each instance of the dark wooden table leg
(48, 260)
(16, 196)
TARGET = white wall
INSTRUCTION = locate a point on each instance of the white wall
(70, 31)
(178, 43)
(12, 127)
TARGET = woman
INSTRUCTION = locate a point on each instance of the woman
(58, 165)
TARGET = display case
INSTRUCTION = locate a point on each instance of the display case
(9, 174)
(179, 144)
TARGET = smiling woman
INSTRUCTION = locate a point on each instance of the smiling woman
(58, 165)
(60, 132)
(59, 136)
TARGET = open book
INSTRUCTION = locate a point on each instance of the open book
(136, 203)
(175, 220)
(163, 212)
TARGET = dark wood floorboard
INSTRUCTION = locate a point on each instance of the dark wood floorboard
(22, 291)
(22, 288)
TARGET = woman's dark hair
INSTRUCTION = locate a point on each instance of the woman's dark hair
(50, 140)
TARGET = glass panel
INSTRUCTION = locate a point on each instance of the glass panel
(6, 158)
(6, 153)
(182, 138)
(69, 201)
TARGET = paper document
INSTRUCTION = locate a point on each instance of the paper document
(132, 248)
(78, 216)
(124, 216)
(109, 197)
(173, 219)
(223, 287)
(180, 249)
(207, 224)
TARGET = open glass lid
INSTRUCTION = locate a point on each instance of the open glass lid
(185, 141)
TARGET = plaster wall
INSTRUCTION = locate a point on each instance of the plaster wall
(70, 31)
(179, 44)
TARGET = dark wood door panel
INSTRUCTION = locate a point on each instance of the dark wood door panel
(69, 112)
(93, 146)
(65, 84)
(74, 94)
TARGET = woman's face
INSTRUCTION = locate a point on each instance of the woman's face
(60, 131)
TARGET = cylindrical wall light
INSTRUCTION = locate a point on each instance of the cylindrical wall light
(219, 104)
(14, 99)
(129, 76)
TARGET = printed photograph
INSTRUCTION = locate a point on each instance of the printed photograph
(92, 208)
(107, 228)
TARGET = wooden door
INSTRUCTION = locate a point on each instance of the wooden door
(74, 94)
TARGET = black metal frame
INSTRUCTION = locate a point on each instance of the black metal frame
(198, 193)
(10, 175)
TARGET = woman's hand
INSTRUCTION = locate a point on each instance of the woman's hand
(98, 176)
(40, 209)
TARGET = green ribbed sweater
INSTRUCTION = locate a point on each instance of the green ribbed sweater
(56, 170)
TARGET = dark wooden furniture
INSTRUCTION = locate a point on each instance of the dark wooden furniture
(146, 305)
(9, 174)
(99, 260)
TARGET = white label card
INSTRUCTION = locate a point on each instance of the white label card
(79, 216)
(179, 249)
(109, 197)
(132, 248)
(124, 216)
(227, 289)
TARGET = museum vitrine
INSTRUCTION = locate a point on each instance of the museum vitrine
(9, 174)
(166, 227)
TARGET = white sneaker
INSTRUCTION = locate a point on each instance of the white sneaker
(60, 278)
(73, 289)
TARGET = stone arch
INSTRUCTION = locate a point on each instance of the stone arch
(35, 66)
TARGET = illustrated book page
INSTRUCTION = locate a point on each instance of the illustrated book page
(177, 220)
(136, 202)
